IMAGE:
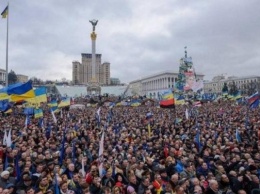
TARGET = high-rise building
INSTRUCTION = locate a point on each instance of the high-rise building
(105, 73)
(2, 76)
(82, 72)
(114, 81)
(22, 78)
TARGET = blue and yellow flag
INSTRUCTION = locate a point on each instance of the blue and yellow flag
(4, 14)
(180, 100)
(21, 92)
(64, 102)
(38, 113)
(53, 104)
(4, 96)
(135, 103)
(40, 97)
(8, 111)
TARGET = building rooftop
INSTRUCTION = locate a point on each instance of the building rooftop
(74, 91)
(231, 78)
(162, 73)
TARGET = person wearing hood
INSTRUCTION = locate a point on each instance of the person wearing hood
(6, 179)
(224, 185)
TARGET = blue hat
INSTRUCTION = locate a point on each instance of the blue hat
(8, 186)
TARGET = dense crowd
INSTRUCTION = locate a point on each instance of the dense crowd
(213, 150)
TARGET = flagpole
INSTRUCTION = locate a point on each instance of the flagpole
(7, 26)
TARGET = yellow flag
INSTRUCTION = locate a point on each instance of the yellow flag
(4, 14)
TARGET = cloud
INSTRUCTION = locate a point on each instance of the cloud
(138, 38)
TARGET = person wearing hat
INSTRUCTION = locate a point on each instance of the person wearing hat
(6, 179)
(11, 188)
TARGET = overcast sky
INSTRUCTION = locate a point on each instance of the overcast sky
(138, 37)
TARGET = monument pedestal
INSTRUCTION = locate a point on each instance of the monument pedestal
(93, 88)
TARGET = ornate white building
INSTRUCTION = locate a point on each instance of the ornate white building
(243, 84)
(154, 85)
(2, 76)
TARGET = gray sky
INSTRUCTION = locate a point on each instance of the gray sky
(138, 38)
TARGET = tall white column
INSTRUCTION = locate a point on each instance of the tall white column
(93, 64)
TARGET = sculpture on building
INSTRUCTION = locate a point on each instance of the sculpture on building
(94, 23)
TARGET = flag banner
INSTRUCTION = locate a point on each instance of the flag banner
(4, 105)
(21, 92)
(4, 14)
(197, 141)
(5, 138)
(100, 154)
(98, 114)
(187, 114)
(40, 97)
(190, 79)
(4, 95)
(53, 104)
(197, 104)
(9, 139)
(167, 100)
(53, 116)
(64, 103)
(167, 95)
(238, 137)
(135, 103)
(28, 111)
(180, 100)
(38, 113)
(149, 130)
(82, 168)
(197, 85)
(253, 100)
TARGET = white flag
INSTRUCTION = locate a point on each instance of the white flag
(186, 114)
(61, 114)
(82, 168)
(9, 139)
(100, 154)
(98, 113)
(5, 138)
(54, 117)
(26, 121)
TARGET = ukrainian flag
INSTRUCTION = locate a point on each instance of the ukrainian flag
(238, 96)
(180, 100)
(38, 113)
(9, 111)
(4, 95)
(225, 94)
(53, 104)
(21, 92)
(135, 103)
(4, 14)
(40, 97)
(118, 104)
(64, 102)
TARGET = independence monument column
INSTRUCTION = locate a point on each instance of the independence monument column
(93, 87)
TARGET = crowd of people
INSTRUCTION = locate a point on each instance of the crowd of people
(211, 149)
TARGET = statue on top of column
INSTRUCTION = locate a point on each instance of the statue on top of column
(94, 23)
